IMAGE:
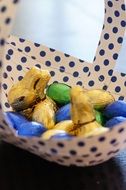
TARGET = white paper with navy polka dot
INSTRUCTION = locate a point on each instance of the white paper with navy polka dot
(7, 14)
(20, 55)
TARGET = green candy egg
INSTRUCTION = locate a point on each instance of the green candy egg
(59, 92)
(100, 118)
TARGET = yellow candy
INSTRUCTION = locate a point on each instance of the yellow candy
(30, 89)
(66, 125)
(97, 131)
(44, 113)
(84, 130)
(81, 108)
(27, 112)
(99, 98)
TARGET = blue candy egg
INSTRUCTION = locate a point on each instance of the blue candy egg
(62, 136)
(63, 113)
(14, 119)
(114, 121)
(30, 129)
(117, 108)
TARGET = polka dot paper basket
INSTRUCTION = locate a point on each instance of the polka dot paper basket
(20, 55)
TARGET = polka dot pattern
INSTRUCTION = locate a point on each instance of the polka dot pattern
(118, 84)
(42, 53)
(72, 71)
(7, 10)
(56, 58)
(111, 39)
(27, 49)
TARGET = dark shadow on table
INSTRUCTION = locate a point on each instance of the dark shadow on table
(20, 170)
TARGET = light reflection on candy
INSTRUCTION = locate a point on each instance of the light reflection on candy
(51, 133)
(14, 119)
(115, 121)
(117, 108)
(31, 129)
(64, 136)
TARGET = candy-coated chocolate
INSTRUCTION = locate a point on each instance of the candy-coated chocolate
(64, 113)
(15, 119)
(117, 108)
(64, 136)
(31, 129)
(100, 118)
(59, 92)
(115, 121)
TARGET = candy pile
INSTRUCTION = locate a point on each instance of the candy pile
(60, 111)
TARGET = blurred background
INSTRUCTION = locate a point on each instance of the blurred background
(71, 26)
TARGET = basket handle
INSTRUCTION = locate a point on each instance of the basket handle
(7, 14)
(112, 35)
